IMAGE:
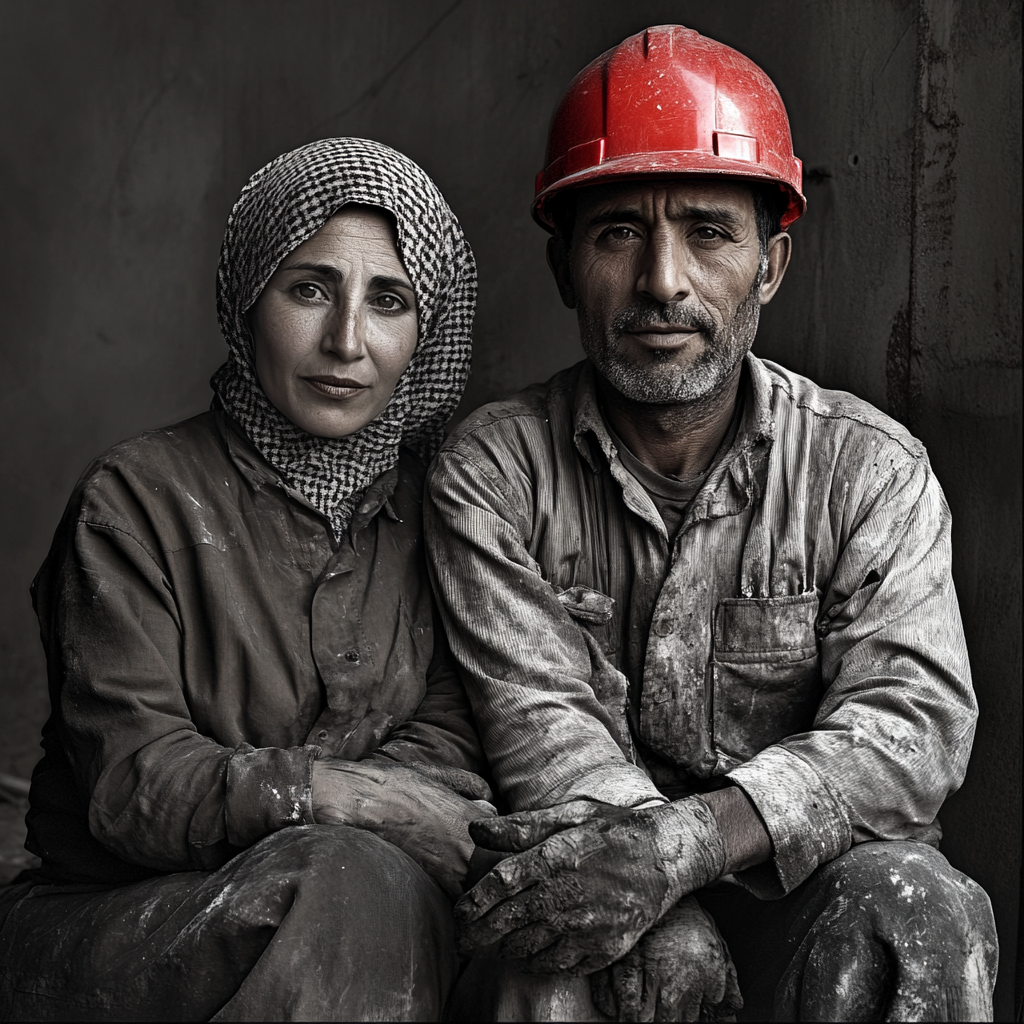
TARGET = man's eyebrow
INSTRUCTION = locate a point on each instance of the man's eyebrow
(716, 214)
(615, 216)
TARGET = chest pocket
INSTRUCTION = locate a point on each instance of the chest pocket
(766, 673)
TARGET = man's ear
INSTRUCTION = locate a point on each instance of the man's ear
(558, 261)
(780, 248)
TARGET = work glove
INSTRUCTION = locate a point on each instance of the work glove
(423, 809)
(679, 970)
(582, 897)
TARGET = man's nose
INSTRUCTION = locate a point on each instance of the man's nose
(664, 272)
(345, 332)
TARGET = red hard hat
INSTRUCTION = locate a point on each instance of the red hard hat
(669, 101)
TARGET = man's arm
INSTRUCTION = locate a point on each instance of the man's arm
(526, 668)
(744, 835)
(893, 733)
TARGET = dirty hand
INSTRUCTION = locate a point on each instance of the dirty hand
(679, 968)
(584, 896)
(425, 810)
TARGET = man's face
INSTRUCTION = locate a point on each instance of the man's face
(668, 281)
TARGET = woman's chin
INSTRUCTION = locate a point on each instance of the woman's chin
(331, 423)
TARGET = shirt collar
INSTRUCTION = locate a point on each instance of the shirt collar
(738, 477)
(261, 474)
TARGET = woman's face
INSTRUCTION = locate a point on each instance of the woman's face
(336, 325)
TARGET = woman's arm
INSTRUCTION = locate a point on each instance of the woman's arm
(441, 730)
(158, 793)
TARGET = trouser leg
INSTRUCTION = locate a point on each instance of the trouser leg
(501, 990)
(889, 931)
(313, 923)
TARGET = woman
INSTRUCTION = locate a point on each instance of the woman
(257, 771)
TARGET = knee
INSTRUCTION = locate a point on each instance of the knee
(909, 882)
(895, 924)
(352, 866)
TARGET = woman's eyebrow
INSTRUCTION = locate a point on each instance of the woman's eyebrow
(323, 269)
(380, 281)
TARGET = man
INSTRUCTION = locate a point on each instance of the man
(704, 609)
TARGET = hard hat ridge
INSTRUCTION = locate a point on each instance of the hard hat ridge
(669, 101)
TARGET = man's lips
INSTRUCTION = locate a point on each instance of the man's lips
(336, 387)
(662, 335)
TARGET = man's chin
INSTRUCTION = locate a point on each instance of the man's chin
(655, 384)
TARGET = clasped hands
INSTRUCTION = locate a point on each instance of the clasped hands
(423, 809)
(589, 888)
(595, 886)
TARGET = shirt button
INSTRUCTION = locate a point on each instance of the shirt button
(352, 655)
(664, 626)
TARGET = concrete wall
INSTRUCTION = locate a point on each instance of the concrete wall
(129, 129)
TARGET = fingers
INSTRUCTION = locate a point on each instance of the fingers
(561, 956)
(506, 879)
(466, 784)
(628, 977)
(732, 1001)
(602, 992)
(525, 829)
(525, 943)
(480, 863)
(477, 932)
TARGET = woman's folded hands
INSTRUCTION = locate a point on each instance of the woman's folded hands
(423, 809)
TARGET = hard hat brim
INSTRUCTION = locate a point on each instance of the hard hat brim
(675, 164)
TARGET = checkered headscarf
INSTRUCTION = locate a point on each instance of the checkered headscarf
(284, 204)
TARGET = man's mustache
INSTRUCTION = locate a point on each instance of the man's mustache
(657, 314)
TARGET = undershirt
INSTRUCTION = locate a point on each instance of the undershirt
(671, 494)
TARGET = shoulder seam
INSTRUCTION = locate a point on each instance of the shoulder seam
(81, 521)
(819, 414)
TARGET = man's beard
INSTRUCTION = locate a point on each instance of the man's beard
(662, 382)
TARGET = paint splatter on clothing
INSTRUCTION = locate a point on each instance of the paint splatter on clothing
(799, 636)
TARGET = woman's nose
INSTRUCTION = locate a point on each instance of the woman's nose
(664, 274)
(345, 331)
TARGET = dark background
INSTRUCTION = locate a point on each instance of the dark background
(129, 128)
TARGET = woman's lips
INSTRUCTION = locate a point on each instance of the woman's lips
(335, 387)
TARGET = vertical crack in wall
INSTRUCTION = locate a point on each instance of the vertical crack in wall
(920, 332)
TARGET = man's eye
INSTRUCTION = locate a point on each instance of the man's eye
(706, 234)
(308, 291)
(619, 233)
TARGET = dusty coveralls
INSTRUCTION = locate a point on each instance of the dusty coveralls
(798, 635)
(207, 638)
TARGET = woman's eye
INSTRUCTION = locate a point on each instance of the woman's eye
(389, 303)
(308, 291)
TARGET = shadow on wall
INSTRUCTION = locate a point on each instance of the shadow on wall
(129, 130)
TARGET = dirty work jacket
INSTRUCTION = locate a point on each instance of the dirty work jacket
(207, 637)
(799, 635)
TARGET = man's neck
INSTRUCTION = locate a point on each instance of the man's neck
(678, 439)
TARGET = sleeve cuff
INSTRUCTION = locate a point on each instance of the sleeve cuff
(623, 785)
(807, 822)
(267, 789)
